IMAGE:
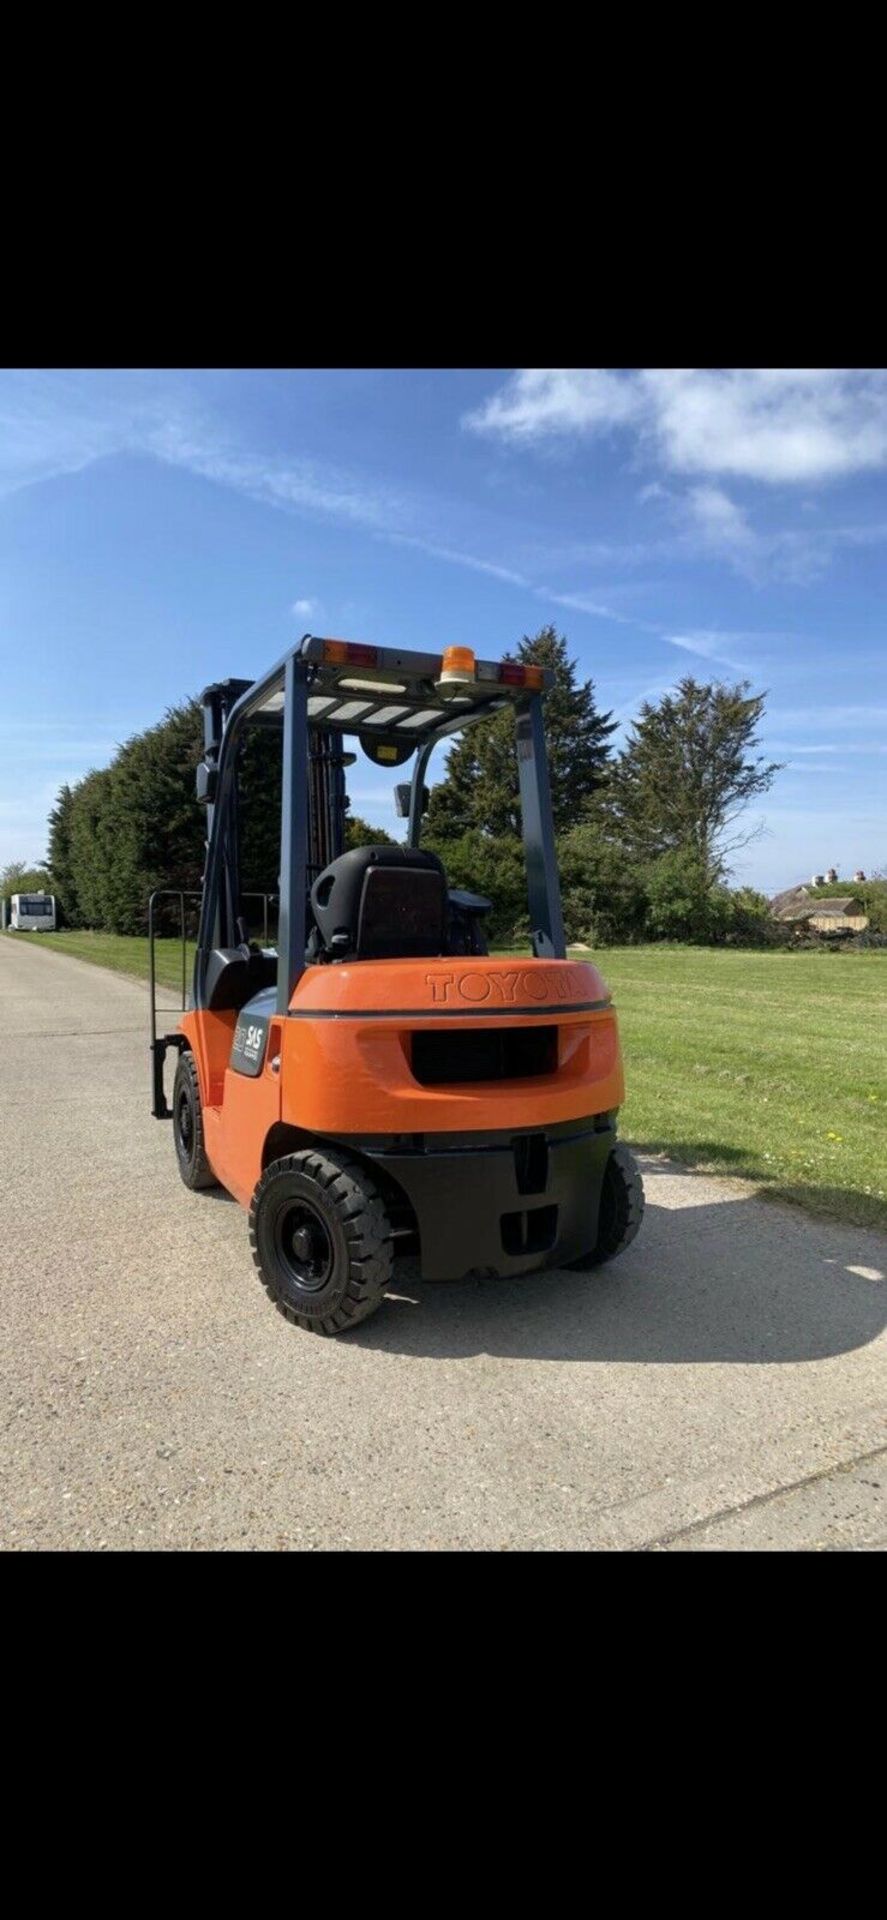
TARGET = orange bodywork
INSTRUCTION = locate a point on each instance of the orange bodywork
(338, 1064)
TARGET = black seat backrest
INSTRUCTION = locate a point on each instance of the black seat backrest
(381, 903)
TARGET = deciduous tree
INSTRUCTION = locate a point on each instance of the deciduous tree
(688, 773)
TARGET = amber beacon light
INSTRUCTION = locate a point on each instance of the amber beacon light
(457, 667)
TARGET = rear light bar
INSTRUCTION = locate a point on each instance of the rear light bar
(458, 666)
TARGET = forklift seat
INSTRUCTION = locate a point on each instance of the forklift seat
(381, 903)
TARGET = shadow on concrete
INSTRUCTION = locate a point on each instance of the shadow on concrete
(731, 1280)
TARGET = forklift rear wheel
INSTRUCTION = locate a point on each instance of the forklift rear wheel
(321, 1240)
(621, 1209)
(187, 1126)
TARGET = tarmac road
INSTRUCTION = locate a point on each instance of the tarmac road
(723, 1385)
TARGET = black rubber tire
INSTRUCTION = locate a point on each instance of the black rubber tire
(187, 1126)
(621, 1210)
(321, 1240)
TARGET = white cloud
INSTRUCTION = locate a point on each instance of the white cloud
(50, 425)
(625, 711)
(779, 425)
(715, 525)
(276, 481)
(784, 426)
(774, 425)
(720, 522)
(708, 646)
(583, 603)
(305, 609)
(459, 559)
(541, 401)
(54, 424)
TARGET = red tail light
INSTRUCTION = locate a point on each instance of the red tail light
(346, 653)
(513, 675)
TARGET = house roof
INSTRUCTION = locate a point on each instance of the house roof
(799, 903)
(791, 902)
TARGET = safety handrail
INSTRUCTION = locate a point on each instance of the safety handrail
(158, 1048)
(167, 893)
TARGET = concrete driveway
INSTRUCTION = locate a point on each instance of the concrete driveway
(724, 1384)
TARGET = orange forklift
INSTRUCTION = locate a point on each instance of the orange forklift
(379, 1084)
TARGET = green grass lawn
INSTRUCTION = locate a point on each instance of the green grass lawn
(772, 1066)
(121, 953)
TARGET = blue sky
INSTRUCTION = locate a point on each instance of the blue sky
(159, 530)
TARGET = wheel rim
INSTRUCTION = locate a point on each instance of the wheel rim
(304, 1246)
(185, 1126)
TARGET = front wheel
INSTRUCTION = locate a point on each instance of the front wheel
(187, 1126)
(621, 1209)
(321, 1240)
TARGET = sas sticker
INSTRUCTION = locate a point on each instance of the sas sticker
(248, 1050)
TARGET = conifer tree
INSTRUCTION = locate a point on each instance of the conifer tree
(59, 856)
(480, 790)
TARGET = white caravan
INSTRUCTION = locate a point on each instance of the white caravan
(34, 912)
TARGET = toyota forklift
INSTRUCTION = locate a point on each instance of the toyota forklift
(379, 1084)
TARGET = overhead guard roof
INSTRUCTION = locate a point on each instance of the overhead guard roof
(394, 693)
